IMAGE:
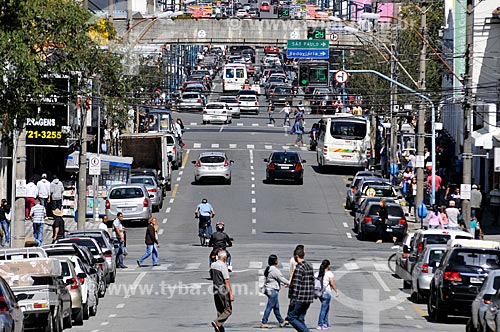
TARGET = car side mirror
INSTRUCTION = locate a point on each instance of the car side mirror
(407, 214)
(348, 186)
(69, 282)
(266, 160)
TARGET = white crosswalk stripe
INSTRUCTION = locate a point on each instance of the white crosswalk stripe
(268, 147)
(215, 145)
(239, 124)
(351, 266)
(255, 124)
(69, 224)
(197, 145)
(192, 266)
(255, 265)
(250, 146)
(233, 146)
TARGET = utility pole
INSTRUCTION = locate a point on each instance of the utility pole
(421, 112)
(394, 116)
(18, 221)
(467, 153)
(82, 171)
(85, 4)
(111, 10)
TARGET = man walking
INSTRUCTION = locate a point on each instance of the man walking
(119, 236)
(31, 194)
(56, 193)
(476, 199)
(4, 222)
(104, 225)
(270, 111)
(287, 110)
(223, 294)
(43, 190)
(301, 292)
(38, 214)
(152, 244)
(299, 131)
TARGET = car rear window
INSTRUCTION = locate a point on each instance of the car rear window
(435, 256)
(145, 181)
(124, 193)
(100, 241)
(283, 158)
(212, 159)
(379, 191)
(170, 140)
(484, 259)
(84, 243)
(190, 96)
(248, 98)
(215, 107)
(228, 100)
(437, 238)
(391, 210)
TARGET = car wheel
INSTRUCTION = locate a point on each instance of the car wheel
(204, 122)
(63, 323)
(93, 310)
(49, 326)
(348, 206)
(169, 186)
(196, 181)
(79, 317)
(113, 277)
(85, 309)
(355, 227)
(228, 181)
(155, 208)
(435, 312)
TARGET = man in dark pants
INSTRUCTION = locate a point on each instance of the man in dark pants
(223, 294)
(301, 292)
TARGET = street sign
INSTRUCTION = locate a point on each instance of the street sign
(315, 44)
(341, 76)
(95, 165)
(334, 37)
(20, 188)
(307, 54)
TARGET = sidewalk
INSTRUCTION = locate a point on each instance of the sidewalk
(69, 223)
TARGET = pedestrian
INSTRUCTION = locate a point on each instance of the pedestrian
(299, 131)
(287, 110)
(179, 130)
(434, 218)
(291, 269)
(326, 277)
(270, 111)
(223, 294)
(43, 190)
(119, 237)
(383, 160)
(38, 214)
(272, 286)
(58, 229)
(313, 134)
(301, 292)
(4, 221)
(31, 194)
(476, 198)
(434, 190)
(56, 193)
(455, 196)
(411, 194)
(444, 217)
(152, 244)
(104, 146)
(104, 225)
(382, 217)
(453, 215)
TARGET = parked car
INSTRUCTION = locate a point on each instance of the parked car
(423, 272)
(485, 306)
(151, 172)
(191, 101)
(395, 225)
(105, 242)
(132, 200)
(349, 200)
(232, 102)
(249, 103)
(90, 285)
(74, 287)
(22, 253)
(459, 277)
(153, 189)
(212, 165)
(374, 187)
(216, 112)
(285, 165)
(11, 314)
(174, 150)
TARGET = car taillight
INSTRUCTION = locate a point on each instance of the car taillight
(74, 285)
(325, 149)
(425, 268)
(298, 167)
(101, 266)
(198, 164)
(272, 166)
(368, 220)
(152, 190)
(82, 280)
(204, 111)
(108, 255)
(452, 276)
(402, 221)
(108, 205)
(174, 149)
(256, 103)
(224, 112)
(6, 308)
(40, 305)
(198, 101)
(145, 203)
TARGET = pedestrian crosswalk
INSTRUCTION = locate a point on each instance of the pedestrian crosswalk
(235, 146)
(240, 124)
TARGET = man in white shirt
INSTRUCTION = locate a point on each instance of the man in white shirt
(287, 109)
(31, 195)
(104, 225)
(452, 213)
(44, 190)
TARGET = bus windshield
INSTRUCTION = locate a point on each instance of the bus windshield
(348, 129)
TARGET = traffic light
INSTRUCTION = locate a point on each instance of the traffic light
(315, 33)
(304, 72)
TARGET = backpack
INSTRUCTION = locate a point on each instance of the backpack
(319, 289)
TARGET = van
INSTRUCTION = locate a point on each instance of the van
(466, 243)
(234, 76)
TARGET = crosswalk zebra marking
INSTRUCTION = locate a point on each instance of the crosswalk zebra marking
(268, 147)
(382, 267)
(192, 266)
(233, 146)
(196, 145)
(193, 124)
(239, 124)
(255, 265)
(250, 146)
(215, 145)
(255, 124)
(351, 266)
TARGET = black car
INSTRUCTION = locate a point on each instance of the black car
(369, 221)
(459, 278)
(285, 165)
(323, 103)
(282, 95)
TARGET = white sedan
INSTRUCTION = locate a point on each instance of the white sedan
(216, 112)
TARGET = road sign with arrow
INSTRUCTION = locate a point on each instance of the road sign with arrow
(308, 49)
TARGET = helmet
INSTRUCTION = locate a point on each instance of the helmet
(247, 81)
(219, 225)
(204, 201)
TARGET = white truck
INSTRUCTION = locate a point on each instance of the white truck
(40, 292)
(149, 150)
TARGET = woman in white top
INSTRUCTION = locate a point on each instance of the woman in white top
(326, 276)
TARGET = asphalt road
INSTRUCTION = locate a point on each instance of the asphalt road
(263, 219)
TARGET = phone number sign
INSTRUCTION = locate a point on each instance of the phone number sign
(46, 128)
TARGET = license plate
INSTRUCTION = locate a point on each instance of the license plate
(389, 230)
(285, 167)
(344, 156)
(475, 280)
(127, 209)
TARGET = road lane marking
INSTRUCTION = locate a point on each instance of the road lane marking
(252, 173)
(136, 283)
(171, 200)
(351, 266)
(112, 316)
(382, 267)
(316, 266)
(255, 124)
(262, 304)
(255, 265)
(181, 172)
(254, 221)
(381, 282)
(94, 331)
(253, 192)
(419, 310)
(120, 306)
(253, 185)
(419, 326)
(174, 192)
(268, 147)
(254, 231)
(160, 232)
(270, 125)
(250, 146)
(221, 129)
(215, 145)
(253, 178)
(233, 146)
(251, 166)
(345, 225)
(197, 145)
(400, 308)
(104, 323)
(168, 210)
(165, 220)
(349, 235)
(192, 266)
(178, 179)
(184, 161)
(392, 298)
(286, 266)
(193, 124)
(284, 147)
(254, 210)
(239, 124)
(408, 317)
(254, 201)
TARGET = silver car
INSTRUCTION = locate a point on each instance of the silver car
(423, 271)
(484, 307)
(232, 102)
(133, 200)
(153, 189)
(191, 101)
(212, 165)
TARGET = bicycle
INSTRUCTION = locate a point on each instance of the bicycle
(391, 261)
(205, 234)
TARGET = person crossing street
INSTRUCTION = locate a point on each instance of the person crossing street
(152, 244)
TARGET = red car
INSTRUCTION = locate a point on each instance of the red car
(271, 49)
(265, 7)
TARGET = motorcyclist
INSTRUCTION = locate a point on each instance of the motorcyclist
(204, 212)
(247, 85)
(220, 240)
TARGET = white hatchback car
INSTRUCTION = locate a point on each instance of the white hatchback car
(249, 103)
(216, 112)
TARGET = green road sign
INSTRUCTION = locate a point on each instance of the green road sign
(309, 44)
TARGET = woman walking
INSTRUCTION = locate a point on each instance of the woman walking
(383, 214)
(326, 276)
(272, 285)
(434, 219)
(411, 193)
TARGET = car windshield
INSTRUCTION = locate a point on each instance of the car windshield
(145, 181)
(348, 129)
(373, 191)
(124, 193)
(283, 91)
(170, 140)
(212, 159)
(285, 158)
(215, 106)
(489, 259)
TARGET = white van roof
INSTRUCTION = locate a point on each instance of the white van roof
(464, 243)
(451, 232)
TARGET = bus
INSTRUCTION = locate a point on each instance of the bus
(234, 76)
(344, 140)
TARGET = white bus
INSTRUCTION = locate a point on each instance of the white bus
(234, 76)
(344, 140)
